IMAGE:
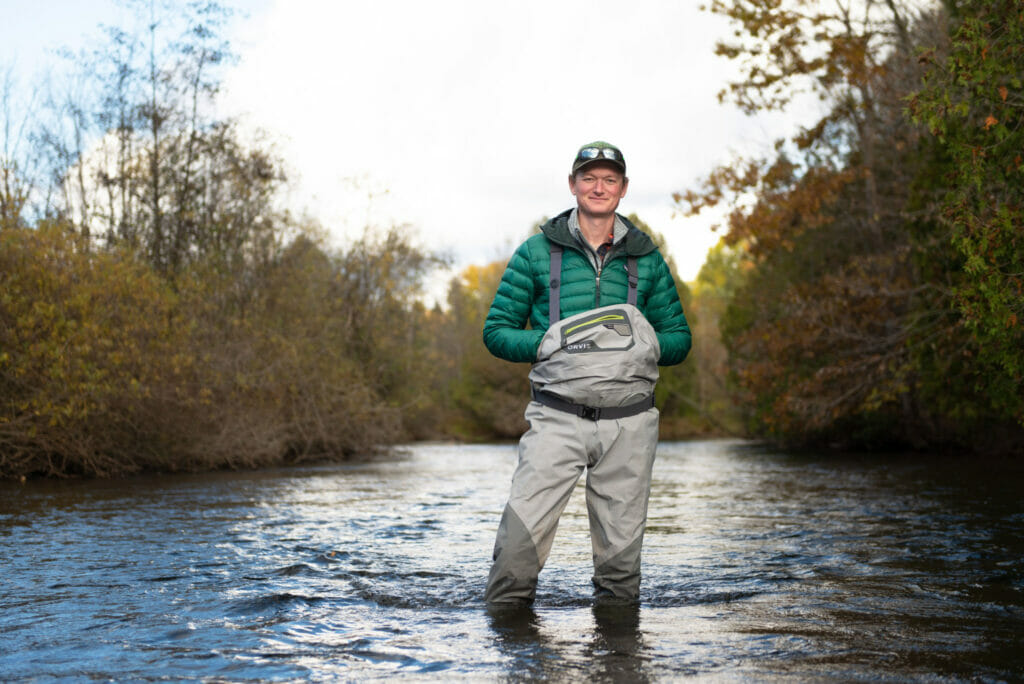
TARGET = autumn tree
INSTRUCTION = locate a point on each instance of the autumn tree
(839, 318)
(973, 102)
(138, 157)
(487, 395)
(712, 292)
(159, 313)
(377, 297)
(92, 350)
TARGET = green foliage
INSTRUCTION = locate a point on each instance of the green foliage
(108, 368)
(973, 101)
(90, 344)
(870, 307)
(159, 313)
(487, 395)
(714, 289)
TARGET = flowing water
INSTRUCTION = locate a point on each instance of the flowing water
(757, 566)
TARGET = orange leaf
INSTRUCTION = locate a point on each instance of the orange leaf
(1003, 92)
(990, 121)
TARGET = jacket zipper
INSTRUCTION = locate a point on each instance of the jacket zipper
(608, 258)
(599, 269)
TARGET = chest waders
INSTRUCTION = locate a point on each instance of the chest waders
(600, 364)
(592, 387)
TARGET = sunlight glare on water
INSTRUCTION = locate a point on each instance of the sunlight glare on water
(756, 565)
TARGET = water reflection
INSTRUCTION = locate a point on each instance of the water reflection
(618, 643)
(518, 634)
(610, 649)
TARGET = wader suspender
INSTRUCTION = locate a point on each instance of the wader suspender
(555, 285)
(555, 315)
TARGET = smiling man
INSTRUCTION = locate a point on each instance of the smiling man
(591, 303)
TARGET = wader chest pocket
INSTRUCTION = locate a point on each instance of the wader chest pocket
(606, 357)
(605, 330)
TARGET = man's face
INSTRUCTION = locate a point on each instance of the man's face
(598, 187)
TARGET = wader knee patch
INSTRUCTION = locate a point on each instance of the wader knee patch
(619, 576)
(513, 577)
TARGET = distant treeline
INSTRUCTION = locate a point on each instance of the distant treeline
(869, 284)
(160, 312)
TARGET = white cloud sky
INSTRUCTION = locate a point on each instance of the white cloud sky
(468, 113)
(461, 117)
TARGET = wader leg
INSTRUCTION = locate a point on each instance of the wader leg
(618, 487)
(551, 459)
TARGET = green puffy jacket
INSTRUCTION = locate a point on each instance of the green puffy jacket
(523, 293)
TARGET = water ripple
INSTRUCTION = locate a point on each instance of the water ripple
(757, 565)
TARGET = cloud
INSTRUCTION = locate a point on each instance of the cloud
(468, 113)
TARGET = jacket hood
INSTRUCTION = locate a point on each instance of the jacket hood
(636, 243)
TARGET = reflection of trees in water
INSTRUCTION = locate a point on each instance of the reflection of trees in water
(611, 653)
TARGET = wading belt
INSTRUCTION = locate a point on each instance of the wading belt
(555, 285)
(591, 412)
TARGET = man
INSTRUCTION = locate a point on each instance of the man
(603, 313)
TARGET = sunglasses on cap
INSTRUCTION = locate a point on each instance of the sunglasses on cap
(589, 153)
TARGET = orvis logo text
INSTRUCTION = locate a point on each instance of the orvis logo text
(577, 347)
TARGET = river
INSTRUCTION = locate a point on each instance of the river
(757, 565)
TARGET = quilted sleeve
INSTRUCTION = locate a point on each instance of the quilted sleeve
(505, 333)
(665, 313)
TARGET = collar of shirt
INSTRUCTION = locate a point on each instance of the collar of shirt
(619, 231)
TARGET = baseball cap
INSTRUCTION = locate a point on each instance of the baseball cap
(599, 151)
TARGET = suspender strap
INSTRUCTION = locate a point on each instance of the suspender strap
(555, 284)
(592, 412)
(634, 279)
(555, 289)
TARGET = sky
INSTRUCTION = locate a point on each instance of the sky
(459, 119)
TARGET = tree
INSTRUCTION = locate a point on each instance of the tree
(853, 58)
(138, 157)
(839, 318)
(159, 313)
(973, 102)
(16, 163)
(488, 394)
(92, 350)
(714, 288)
